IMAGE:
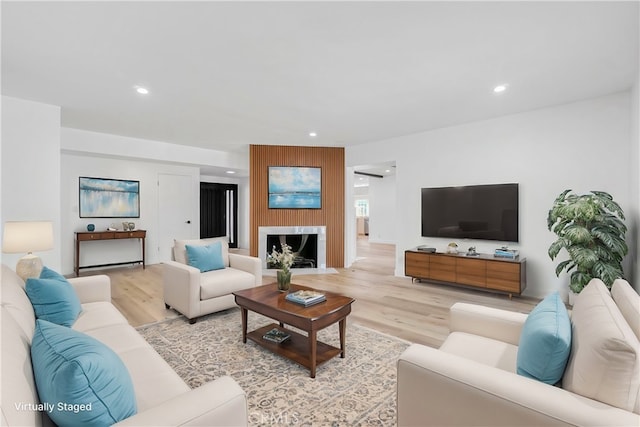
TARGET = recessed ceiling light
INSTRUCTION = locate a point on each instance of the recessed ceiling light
(231, 171)
(142, 90)
(313, 134)
(500, 88)
(387, 171)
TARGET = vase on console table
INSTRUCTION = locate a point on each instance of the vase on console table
(284, 280)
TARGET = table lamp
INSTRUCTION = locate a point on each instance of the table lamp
(27, 237)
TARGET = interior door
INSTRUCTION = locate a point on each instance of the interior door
(175, 212)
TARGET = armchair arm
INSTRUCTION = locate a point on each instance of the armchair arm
(249, 264)
(438, 388)
(501, 325)
(92, 288)
(181, 286)
(218, 403)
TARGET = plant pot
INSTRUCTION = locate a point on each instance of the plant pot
(284, 280)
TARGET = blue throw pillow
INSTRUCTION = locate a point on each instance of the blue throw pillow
(545, 341)
(205, 258)
(81, 380)
(48, 273)
(53, 298)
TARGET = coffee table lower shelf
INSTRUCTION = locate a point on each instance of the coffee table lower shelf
(296, 348)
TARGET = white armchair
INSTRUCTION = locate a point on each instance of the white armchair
(471, 379)
(195, 294)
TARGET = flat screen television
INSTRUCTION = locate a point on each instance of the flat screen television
(484, 212)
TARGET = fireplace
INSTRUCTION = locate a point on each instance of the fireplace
(303, 246)
(309, 244)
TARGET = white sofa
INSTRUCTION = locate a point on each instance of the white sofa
(471, 379)
(162, 398)
(195, 294)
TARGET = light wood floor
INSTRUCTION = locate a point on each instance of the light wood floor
(417, 312)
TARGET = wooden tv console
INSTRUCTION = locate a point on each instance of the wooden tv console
(483, 272)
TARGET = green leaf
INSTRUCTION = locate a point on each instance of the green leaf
(562, 265)
(578, 234)
(579, 280)
(561, 197)
(610, 240)
(607, 201)
(606, 272)
(555, 248)
(615, 223)
(602, 195)
(582, 256)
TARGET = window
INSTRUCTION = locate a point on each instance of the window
(362, 207)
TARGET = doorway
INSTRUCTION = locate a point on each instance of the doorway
(374, 194)
(219, 211)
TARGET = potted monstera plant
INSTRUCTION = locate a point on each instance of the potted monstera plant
(591, 230)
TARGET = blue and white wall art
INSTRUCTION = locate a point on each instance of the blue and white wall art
(294, 187)
(109, 198)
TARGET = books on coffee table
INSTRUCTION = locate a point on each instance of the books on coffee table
(276, 335)
(306, 297)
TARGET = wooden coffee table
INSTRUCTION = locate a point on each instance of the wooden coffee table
(305, 350)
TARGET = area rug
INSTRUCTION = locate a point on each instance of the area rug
(359, 390)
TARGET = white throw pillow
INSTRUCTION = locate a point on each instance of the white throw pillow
(604, 363)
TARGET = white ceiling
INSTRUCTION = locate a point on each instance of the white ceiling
(226, 74)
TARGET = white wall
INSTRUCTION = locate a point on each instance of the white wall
(580, 146)
(382, 209)
(31, 170)
(103, 144)
(106, 252)
(633, 214)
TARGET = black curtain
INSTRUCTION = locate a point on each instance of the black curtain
(219, 211)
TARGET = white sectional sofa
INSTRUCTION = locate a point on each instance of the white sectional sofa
(162, 397)
(471, 379)
(194, 293)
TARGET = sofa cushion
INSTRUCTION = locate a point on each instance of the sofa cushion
(628, 302)
(84, 380)
(545, 341)
(223, 282)
(180, 250)
(488, 351)
(16, 381)
(604, 361)
(154, 381)
(98, 315)
(54, 300)
(15, 300)
(205, 258)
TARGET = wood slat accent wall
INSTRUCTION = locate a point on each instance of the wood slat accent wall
(331, 215)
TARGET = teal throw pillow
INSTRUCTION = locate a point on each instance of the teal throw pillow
(48, 273)
(79, 379)
(53, 298)
(545, 341)
(205, 258)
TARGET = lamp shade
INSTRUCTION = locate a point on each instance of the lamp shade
(27, 236)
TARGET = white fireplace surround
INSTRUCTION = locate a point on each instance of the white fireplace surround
(320, 230)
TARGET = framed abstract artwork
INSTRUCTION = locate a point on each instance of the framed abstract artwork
(295, 187)
(109, 198)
